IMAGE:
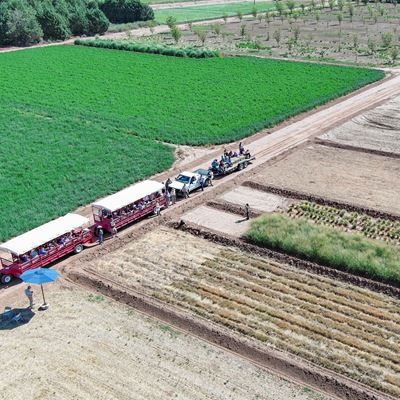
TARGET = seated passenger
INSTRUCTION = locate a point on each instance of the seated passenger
(34, 254)
(24, 258)
(43, 251)
(214, 164)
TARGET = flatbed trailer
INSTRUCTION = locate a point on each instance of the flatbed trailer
(237, 164)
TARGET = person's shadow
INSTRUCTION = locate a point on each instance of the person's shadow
(12, 318)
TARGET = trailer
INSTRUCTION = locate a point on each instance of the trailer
(231, 164)
(43, 245)
(129, 205)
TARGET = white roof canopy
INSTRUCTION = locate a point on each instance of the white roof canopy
(43, 234)
(129, 195)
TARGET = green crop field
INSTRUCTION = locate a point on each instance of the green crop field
(199, 13)
(78, 123)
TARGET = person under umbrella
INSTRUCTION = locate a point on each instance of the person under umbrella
(39, 276)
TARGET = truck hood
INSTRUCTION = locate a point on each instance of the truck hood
(176, 185)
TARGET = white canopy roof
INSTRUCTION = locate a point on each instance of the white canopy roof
(129, 195)
(43, 234)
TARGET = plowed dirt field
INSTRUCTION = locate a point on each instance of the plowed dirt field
(366, 180)
(377, 129)
(88, 347)
(345, 328)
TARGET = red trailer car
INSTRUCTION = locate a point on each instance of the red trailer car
(43, 245)
(128, 205)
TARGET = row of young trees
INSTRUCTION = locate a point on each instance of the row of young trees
(25, 22)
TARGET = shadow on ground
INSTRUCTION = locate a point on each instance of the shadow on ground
(12, 318)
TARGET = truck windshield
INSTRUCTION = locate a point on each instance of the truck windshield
(183, 179)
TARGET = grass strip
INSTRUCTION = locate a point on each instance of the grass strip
(327, 246)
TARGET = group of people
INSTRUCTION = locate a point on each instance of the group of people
(49, 247)
(226, 158)
(170, 193)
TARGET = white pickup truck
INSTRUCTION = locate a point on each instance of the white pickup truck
(191, 179)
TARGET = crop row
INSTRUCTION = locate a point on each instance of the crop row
(373, 228)
(345, 328)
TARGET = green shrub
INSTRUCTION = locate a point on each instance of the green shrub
(18, 24)
(24, 22)
(122, 11)
(148, 48)
(327, 246)
(55, 25)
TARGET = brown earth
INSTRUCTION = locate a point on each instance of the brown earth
(377, 130)
(87, 346)
(266, 301)
(362, 179)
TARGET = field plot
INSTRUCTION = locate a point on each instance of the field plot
(79, 123)
(96, 348)
(342, 327)
(365, 180)
(366, 34)
(197, 13)
(377, 129)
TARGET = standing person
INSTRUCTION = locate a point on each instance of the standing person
(168, 198)
(247, 211)
(202, 181)
(173, 196)
(158, 209)
(241, 148)
(29, 295)
(185, 191)
(101, 236)
(114, 229)
(210, 177)
(167, 185)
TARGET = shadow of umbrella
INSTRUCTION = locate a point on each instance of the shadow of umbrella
(13, 318)
(39, 276)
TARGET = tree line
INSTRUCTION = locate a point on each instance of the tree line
(26, 22)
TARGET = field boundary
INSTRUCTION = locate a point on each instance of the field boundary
(281, 363)
(330, 143)
(243, 245)
(295, 194)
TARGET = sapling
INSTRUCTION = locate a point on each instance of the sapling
(217, 29)
(277, 36)
(176, 33)
(371, 45)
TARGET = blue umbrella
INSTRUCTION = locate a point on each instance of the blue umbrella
(39, 276)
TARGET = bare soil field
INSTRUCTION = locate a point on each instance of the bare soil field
(377, 129)
(86, 346)
(345, 328)
(263, 201)
(366, 180)
(218, 220)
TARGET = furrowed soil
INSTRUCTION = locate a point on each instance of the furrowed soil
(345, 328)
(86, 346)
(377, 129)
(365, 180)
